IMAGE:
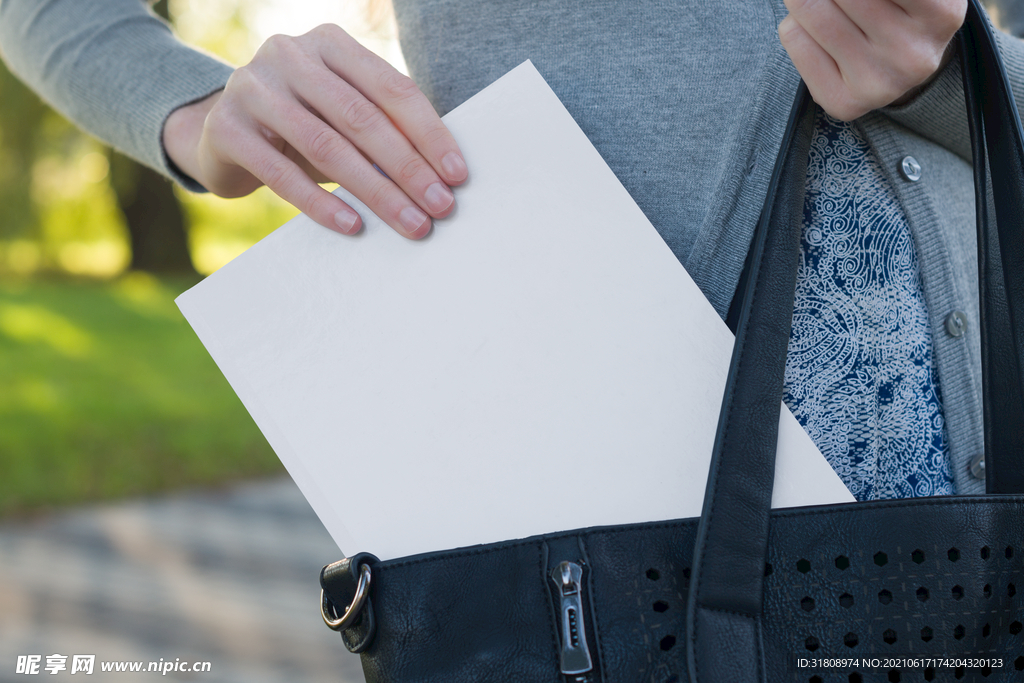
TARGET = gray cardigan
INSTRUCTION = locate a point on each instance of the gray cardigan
(685, 100)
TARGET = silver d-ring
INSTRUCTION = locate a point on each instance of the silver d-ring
(353, 610)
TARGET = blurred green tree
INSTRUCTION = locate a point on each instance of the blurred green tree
(68, 204)
(21, 114)
(155, 220)
(30, 131)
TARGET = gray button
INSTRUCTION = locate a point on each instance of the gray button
(956, 324)
(910, 169)
(978, 466)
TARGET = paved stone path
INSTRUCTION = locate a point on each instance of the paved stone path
(226, 576)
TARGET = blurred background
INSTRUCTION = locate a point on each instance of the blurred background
(142, 514)
(143, 517)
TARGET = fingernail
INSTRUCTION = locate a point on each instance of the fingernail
(347, 222)
(454, 166)
(415, 222)
(438, 197)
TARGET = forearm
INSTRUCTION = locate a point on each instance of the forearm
(110, 66)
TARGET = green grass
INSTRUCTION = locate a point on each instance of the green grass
(106, 392)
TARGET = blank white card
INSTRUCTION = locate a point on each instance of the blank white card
(540, 362)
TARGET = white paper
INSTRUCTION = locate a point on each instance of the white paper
(540, 362)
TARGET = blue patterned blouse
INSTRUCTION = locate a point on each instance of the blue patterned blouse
(860, 376)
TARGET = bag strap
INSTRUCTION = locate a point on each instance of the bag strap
(727, 579)
(732, 538)
(998, 150)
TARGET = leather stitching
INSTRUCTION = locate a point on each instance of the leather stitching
(905, 503)
(761, 675)
(735, 612)
(714, 488)
(542, 571)
(992, 499)
(595, 613)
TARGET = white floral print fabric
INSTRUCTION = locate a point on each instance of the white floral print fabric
(860, 376)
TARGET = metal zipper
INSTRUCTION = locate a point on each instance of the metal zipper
(576, 662)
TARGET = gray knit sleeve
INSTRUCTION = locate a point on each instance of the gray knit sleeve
(110, 66)
(939, 112)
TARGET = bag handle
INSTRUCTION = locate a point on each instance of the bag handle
(996, 130)
(727, 579)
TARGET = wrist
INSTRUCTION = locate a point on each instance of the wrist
(947, 56)
(182, 133)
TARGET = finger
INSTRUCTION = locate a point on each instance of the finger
(336, 157)
(375, 135)
(288, 181)
(913, 42)
(881, 49)
(309, 169)
(830, 27)
(401, 100)
(948, 14)
(819, 71)
(877, 19)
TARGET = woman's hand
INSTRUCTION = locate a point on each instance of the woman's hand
(859, 55)
(317, 108)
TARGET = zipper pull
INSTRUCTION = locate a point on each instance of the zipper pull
(576, 660)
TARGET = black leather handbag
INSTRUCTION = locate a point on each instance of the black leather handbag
(925, 589)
